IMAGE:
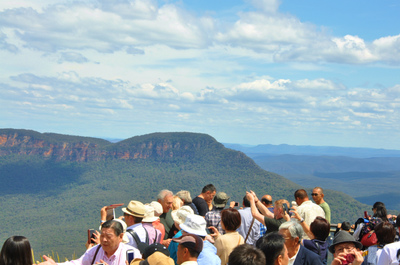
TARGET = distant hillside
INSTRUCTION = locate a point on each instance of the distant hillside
(54, 197)
(306, 150)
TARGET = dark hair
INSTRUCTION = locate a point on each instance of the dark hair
(209, 187)
(16, 251)
(246, 202)
(301, 194)
(385, 232)
(246, 254)
(321, 228)
(115, 225)
(231, 219)
(273, 245)
(378, 204)
(346, 226)
(381, 213)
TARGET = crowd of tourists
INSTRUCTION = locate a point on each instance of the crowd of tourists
(174, 229)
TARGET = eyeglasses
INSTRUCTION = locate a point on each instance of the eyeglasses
(314, 194)
(342, 249)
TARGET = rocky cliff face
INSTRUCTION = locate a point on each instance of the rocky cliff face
(79, 149)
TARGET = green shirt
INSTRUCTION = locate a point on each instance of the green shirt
(327, 210)
(272, 224)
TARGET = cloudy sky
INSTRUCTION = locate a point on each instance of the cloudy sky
(244, 71)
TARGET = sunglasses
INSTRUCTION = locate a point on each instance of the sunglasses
(314, 194)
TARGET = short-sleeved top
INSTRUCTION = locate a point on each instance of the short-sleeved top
(201, 205)
(273, 224)
(389, 254)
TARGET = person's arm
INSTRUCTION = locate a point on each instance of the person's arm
(264, 210)
(254, 211)
(303, 224)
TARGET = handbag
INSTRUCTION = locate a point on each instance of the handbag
(369, 239)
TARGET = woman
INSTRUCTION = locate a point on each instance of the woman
(230, 221)
(385, 234)
(318, 232)
(16, 251)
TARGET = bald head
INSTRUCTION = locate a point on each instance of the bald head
(267, 200)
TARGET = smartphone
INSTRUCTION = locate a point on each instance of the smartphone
(285, 208)
(236, 204)
(91, 236)
(130, 255)
(209, 231)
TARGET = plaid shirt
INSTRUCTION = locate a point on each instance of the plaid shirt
(263, 229)
(213, 218)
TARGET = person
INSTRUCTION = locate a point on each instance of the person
(390, 252)
(16, 250)
(154, 235)
(318, 232)
(201, 202)
(189, 249)
(385, 234)
(133, 215)
(196, 224)
(272, 220)
(230, 221)
(274, 248)
(343, 245)
(111, 249)
(298, 254)
(250, 227)
(213, 218)
(345, 226)
(165, 198)
(154, 254)
(176, 203)
(179, 217)
(318, 197)
(187, 199)
(266, 200)
(306, 208)
(158, 211)
(246, 255)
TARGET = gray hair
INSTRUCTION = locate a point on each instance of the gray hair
(294, 228)
(164, 193)
(184, 195)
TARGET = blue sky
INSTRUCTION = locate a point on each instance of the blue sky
(250, 72)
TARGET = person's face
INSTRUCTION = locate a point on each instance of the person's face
(284, 258)
(109, 241)
(180, 254)
(209, 196)
(128, 219)
(167, 203)
(317, 195)
(290, 242)
(345, 248)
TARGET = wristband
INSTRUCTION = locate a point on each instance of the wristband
(102, 221)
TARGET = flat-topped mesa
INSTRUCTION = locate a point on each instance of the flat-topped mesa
(82, 149)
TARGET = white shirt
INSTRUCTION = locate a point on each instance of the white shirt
(309, 211)
(389, 254)
(140, 231)
(118, 258)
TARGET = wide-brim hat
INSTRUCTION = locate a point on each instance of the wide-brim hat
(344, 237)
(149, 216)
(135, 208)
(158, 209)
(195, 224)
(220, 199)
(180, 215)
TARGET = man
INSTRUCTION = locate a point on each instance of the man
(344, 244)
(275, 251)
(271, 220)
(165, 198)
(189, 249)
(249, 228)
(266, 200)
(390, 252)
(306, 208)
(133, 215)
(318, 196)
(111, 249)
(246, 255)
(213, 218)
(201, 202)
(292, 232)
